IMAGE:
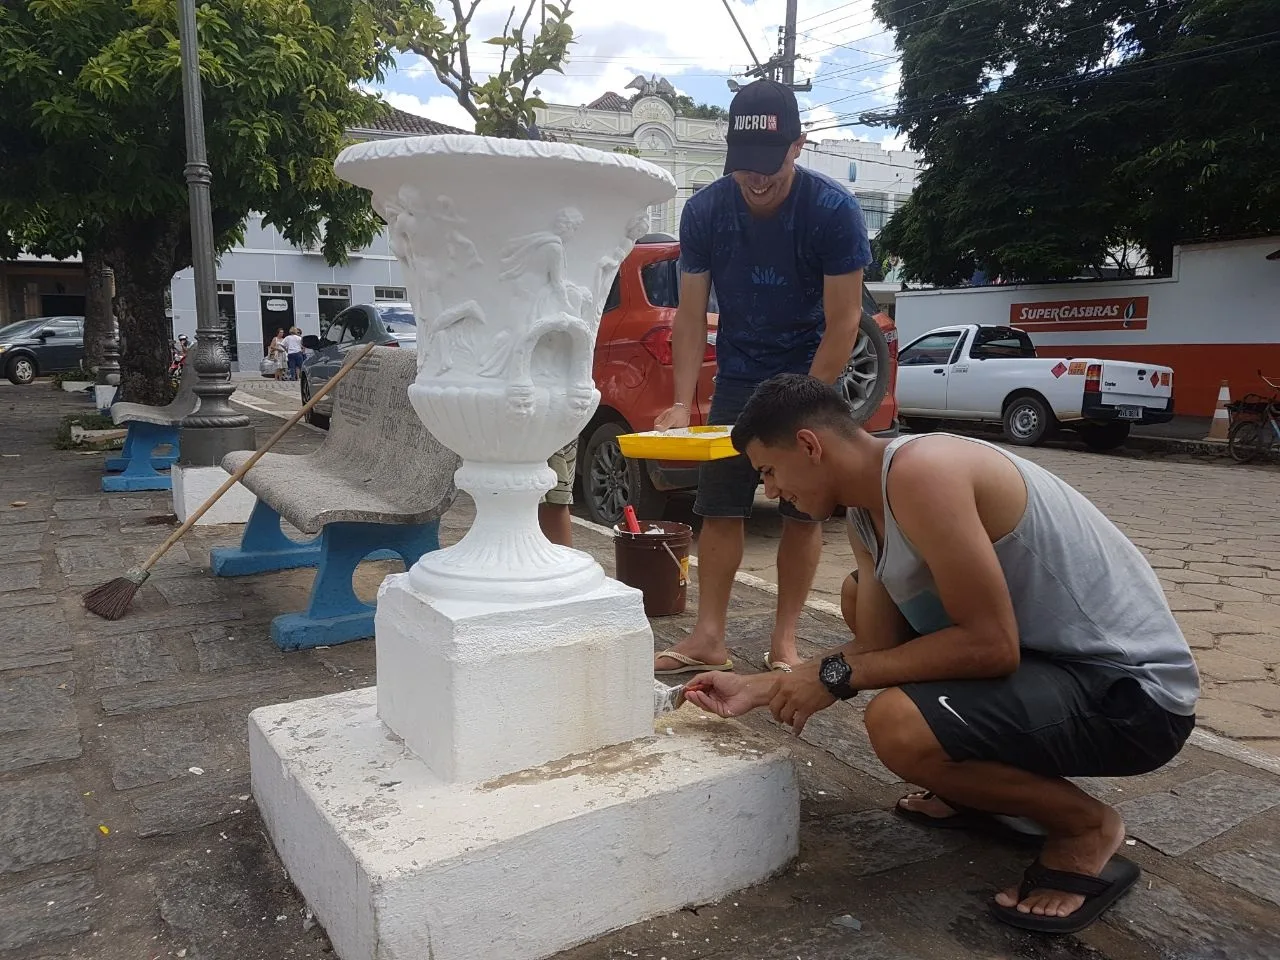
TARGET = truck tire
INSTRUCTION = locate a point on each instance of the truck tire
(866, 376)
(21, 370)
(1104, 436)
(610, 481)
(1027, 420)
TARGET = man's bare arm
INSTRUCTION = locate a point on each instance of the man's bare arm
(842, 306)
(880, 624)
(689, 335)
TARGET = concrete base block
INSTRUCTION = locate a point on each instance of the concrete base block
(397, 864)
(193, 485)
(478, 690)
(103, 396)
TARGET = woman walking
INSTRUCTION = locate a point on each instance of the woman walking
(278, 353)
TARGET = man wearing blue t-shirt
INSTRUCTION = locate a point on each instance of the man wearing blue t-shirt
(784, 248)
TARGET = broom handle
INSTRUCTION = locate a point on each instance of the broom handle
(235, 478)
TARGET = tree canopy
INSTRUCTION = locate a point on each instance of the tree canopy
(92, 145)
(1054, 133)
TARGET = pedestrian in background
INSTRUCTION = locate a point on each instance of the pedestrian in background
(293, 348)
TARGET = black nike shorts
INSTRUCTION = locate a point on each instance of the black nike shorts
(1054, 717)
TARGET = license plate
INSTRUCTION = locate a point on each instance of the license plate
(1131, 413)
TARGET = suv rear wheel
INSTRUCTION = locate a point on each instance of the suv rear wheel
(863, 382)
(21, 370)
(610, 481)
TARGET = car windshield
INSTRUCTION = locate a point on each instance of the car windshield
(20, 329)
(397, 319)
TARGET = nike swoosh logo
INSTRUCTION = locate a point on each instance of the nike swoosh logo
(952, 710)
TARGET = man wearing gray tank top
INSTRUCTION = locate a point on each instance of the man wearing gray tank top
(1016, 635)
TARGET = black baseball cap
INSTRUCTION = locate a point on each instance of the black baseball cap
(764, 121)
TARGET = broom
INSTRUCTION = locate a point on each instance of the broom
(111, 600)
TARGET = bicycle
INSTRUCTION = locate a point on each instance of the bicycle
(1255, 435)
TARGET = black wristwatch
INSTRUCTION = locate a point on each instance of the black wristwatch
(835, 674)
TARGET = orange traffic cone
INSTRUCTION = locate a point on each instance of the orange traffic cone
(1221, 417)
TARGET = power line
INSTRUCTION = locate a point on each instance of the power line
(1129, 68)
(1018, 49)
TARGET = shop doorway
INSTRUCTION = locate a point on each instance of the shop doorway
(277, 310)
(333, 300)
(227, 317)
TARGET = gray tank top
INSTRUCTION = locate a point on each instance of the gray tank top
(1080, 588)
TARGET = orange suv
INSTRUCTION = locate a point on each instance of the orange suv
(633, 373)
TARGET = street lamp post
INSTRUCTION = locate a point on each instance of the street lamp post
(215, 428)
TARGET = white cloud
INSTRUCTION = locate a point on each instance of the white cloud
(442, 109)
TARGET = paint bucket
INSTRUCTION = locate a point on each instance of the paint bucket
(656, 564)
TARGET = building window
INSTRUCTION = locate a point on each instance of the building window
(227, 317)
(226, 286)
(389, 293)
(276, 289)
(337, 293)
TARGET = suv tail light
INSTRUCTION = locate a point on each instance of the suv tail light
(658, 342)
(1093, 378)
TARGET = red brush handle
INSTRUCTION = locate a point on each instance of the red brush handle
(629, 513)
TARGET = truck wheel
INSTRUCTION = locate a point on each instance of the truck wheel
(1027, 421)
(865, 379)
(610, 481)
(1104, 436)
(21, 370)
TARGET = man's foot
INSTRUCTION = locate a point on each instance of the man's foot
(926, 803)
(693, 648)
(1086, 853)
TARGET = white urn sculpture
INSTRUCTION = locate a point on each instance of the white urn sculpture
(509, 248)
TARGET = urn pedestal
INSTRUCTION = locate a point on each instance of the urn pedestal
(501, 793)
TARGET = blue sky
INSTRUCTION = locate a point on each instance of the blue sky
(847, 52)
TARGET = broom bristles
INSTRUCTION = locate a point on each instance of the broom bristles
(111, 600)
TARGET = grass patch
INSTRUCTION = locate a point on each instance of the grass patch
(70, 376)
(89, 421)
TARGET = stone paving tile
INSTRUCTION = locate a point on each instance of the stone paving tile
(134, 659)
(160, 749)
(223, 646)
(37, 720)
(192, 802)
(878, 841)
(1179, 928)
(1197, 811)
(42, 821)
(33, 641)
(20, 576)
(157, 696)
(1255, 869)
(47, 910)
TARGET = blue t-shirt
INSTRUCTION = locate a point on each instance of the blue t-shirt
(768, 274)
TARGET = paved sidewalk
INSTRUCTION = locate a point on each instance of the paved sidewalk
(128, 829)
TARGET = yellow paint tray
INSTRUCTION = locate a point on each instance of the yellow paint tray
(691, 443)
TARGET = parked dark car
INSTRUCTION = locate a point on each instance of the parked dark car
(388, 324)
(41, 345)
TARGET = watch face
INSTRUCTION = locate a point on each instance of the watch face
(834, 671)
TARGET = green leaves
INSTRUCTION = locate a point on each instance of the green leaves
(1107, 121)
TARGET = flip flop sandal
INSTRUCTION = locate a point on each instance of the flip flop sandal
(1017, 830)
(777, 666)
(1100, 893)
(689, 665)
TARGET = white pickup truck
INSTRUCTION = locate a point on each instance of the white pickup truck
(989, 373)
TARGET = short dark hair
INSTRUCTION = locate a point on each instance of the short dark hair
(789, 402)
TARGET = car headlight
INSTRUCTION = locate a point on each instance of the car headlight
(3, 347)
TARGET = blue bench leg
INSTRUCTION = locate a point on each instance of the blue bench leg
(335, 614)
(133, 447)
(263, 547)
(138, 466)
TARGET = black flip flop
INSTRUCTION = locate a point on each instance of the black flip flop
(1100, 893)
(1017, 830)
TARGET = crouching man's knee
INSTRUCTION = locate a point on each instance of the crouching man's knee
(900, 736)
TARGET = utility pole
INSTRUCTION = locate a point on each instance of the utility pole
(789, 46)
(782, 65)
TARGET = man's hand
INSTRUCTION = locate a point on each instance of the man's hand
(675, 417)
(798, 695)
(728, 694)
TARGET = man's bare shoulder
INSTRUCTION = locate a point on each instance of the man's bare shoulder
(941, 472)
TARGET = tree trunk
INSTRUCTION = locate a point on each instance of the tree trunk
(97, 308)
(143, 257)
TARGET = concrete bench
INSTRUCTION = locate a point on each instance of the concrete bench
(375, 489)
(138, 466)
